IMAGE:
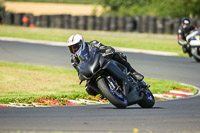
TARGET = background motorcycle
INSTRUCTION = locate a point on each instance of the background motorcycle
(193, 40)
(112, 80)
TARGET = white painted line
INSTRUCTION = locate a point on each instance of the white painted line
(146, 51)
(64, 44)
(33, 41)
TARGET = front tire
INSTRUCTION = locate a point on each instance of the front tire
(196, 59)
(148, 100)
(119, 102)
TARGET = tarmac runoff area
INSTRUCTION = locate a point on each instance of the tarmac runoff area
(172, 95)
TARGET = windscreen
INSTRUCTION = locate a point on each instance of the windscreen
(83, 53)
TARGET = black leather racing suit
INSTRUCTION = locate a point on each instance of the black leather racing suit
(110, 52)
(182, 34)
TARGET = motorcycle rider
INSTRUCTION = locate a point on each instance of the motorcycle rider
(76, 41)
(183, 31)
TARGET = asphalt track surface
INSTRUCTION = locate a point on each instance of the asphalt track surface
(176, 116)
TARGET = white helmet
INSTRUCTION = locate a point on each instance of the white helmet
(75, 42)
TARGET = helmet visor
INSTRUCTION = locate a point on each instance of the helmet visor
(74, 48)
(186, 22)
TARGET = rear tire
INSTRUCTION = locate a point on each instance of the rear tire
(109, 94)
(148, 100)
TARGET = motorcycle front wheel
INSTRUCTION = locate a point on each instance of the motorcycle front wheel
(148, 100)
(196, 59)
(116, 98)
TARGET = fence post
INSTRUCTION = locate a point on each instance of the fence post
(51, 22)
(74, 22)
(91, 22)
(66, 21)
(176, 24)
(160, 25)
(18, 18)
(44, 20)
(37, 21)
(168, 26)
(113, 23)
(82, 22)
(8, 18)
(138, 25)
(58, 21)
(106, 23)
(144, 23)
(99, 23)
(129, 24)
(1, 17)
(121, 23)
(152, 24)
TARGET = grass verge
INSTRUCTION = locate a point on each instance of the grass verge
(167, 43)
(22, 83)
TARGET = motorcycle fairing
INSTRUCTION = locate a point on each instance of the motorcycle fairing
(94, 62)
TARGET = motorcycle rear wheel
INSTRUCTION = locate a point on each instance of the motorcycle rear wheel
(110, 95)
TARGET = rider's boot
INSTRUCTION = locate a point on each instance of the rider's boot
(189, 51)
(135, 74)
(186, 49)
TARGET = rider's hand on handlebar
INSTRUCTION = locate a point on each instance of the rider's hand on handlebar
(108, 52)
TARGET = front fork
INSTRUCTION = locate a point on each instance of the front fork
(113, 84)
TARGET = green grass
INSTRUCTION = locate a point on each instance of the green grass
(159, 86)
(60, 1)
(22, 83)
(167, 43)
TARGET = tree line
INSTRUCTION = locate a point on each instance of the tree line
(160, 8)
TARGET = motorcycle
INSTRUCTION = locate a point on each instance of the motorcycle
(193, 40)
(112, 80)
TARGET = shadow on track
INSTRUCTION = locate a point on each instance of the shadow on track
(133, 108)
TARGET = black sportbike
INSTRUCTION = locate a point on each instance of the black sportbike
(112, 80)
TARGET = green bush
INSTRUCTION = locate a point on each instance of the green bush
(161, 8)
